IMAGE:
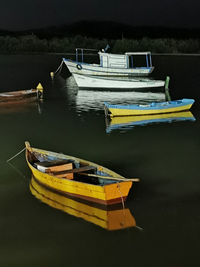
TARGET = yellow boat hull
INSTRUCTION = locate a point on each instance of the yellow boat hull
(106, 194)
(108, 219)
(135, 112)
(131, 119)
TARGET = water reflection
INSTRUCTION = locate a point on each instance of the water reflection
(21, 108)
(71, 83)
(86, 100)
(128, 122)
(114, 219)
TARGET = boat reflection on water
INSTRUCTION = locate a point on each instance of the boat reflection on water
(70, 83)
(128, 122)
(86, 100)
(114, 219)
(21, 108)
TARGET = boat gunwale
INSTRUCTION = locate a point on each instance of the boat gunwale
(21, 92)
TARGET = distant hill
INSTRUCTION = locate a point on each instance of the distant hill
(107, 29)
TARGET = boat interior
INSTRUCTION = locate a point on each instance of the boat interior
(68, 168)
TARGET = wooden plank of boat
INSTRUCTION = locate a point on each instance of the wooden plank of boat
(152, 108)
(86, 81)
(21, 95)
(93, 189)
(110, 219)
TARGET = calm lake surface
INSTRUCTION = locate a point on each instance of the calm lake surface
(164, 206)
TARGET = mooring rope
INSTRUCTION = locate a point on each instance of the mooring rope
(18, 171)
(118, 186)
(16, 154)
(59, 68)
(139, 228)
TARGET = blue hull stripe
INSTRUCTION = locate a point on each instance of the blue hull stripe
(154, 105)
(101, 69)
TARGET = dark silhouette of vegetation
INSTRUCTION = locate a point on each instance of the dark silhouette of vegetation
(109, 30)
(33, 44)
(86, 34)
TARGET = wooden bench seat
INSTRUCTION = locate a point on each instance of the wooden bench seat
(62, 168)
(66, 173)
(58, 166)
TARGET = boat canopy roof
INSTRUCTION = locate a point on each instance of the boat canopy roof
(125, 54)
(138, 53)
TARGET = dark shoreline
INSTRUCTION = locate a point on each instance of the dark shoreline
(67, 45)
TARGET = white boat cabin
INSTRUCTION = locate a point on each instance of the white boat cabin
(119, 61)
(123, 61)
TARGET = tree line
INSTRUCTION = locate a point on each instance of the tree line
(33, 44)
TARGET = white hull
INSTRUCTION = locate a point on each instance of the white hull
(98, 70)
(86, 100)
(84, 81)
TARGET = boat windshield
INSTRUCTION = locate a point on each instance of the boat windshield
(139, 59)
(80, 53)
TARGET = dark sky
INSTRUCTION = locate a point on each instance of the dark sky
(26, 14)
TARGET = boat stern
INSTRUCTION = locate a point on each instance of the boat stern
(117, 192)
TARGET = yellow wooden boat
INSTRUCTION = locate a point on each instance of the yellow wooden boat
(77, 177)
(113, 219)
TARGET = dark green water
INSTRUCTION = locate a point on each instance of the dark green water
(165, 204)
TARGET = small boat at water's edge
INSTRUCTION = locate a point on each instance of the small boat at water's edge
(76, 177)
(21, 96)
(152, 108)
(108, 218)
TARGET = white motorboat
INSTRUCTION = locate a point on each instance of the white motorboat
(111, 64)
(115, 83)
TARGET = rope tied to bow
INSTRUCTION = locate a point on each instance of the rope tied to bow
(16, 154)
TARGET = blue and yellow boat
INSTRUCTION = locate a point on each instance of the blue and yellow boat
(152, 108)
